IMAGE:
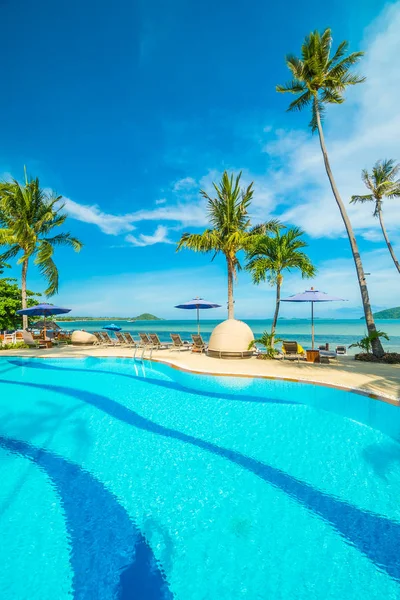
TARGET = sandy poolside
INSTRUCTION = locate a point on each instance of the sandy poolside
(382, 381)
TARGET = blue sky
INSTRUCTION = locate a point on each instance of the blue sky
(128, 109)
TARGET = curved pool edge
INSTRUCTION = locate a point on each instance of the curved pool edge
(173, 362)
(393, 400)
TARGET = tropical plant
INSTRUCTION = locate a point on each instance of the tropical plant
(231, 228)
(267, 340)
(317, 80)
(10, 302)
(366, 343)
(383, 183)
(16, 346)
(269, 257)
(28, 214)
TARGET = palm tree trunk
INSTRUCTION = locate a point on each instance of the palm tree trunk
(23, 289)
(376, 344)
(277, 306)
(230, 289)
(385, 235)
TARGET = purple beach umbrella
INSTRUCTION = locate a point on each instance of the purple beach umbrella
(312, 296)
(198, 304)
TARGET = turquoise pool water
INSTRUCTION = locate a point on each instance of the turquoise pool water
(123, 480)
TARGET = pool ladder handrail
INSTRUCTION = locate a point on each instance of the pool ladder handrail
(144, 346)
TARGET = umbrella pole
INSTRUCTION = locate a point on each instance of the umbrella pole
(198, 321)
(44, 328)
(312, 325)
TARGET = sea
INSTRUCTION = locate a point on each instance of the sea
(333, 331)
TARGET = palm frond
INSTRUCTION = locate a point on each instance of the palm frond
(357, 198)
(10, 253)
(295, 65)
(300, 102)
(65, 239)
(331, 97)
(339, 54)
(47, 267)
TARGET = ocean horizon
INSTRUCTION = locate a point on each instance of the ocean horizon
(332, 331)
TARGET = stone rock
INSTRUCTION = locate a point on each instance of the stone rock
(231, 339)
(82, 337)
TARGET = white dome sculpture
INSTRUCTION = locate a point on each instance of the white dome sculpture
(231, 339)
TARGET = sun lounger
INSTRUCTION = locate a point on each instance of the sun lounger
(145, 343)
(29, 341)
(291, 351)
(325, 356)
(99, 339)
(157, 344)
(198, 344)
(108, 340)
(341, 350)
(129, 340)
(324, 347)
(178, 343)
(145, 340)
(121, 339)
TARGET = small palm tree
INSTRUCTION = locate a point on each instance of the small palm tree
(319, 79)
(366, 342)
(231, 228)
(267, 340)
(269, 257)
(382, 183)
(28, 214)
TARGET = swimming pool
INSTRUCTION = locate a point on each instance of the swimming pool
(129, 480)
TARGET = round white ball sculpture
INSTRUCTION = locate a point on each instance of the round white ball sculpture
(231, 339)
(79, 338)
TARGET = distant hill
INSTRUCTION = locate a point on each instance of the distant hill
(147, 317)
(389, 313)
(143, 317)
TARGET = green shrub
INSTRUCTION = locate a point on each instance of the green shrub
(13, 346)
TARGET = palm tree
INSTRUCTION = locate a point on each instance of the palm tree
(383, 184)
(28, 214)
(270, 256)
(231, 228)
(319, 79)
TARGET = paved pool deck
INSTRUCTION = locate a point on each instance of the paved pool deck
(381, 381)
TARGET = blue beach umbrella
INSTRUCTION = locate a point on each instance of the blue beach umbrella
(112, 327)
(312, 296)
(198, 304)
(43, 310)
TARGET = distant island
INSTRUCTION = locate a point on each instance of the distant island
(389, 313)
(146, 317)
(142, 317)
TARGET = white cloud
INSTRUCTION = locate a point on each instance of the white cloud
(187, 183)
(110, 224)
(160, 236)
(189, 210)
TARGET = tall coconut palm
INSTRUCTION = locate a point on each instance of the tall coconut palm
(231, 228)
(28, 214)
(319, 79)
(269, 257)
(382, 183)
